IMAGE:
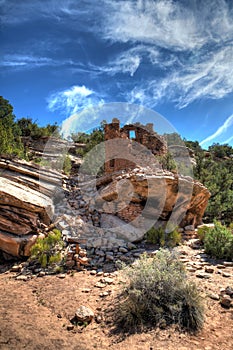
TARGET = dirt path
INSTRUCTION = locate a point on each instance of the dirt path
(35, 315)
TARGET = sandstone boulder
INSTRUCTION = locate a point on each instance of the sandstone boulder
(142, 198)
(26, 202)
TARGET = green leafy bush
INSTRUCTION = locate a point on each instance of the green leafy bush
(202, 231)
(219, 242)
(47, 250)
(157, 292)
(163, 238)
(67, 165)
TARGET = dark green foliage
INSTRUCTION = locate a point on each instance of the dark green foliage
(221, 151)
(215, 170)
(47, 250)
(218, 242)
(29, 128)
(67, 165)
(10, 142)
(167, 162)
(161, 237)
(91, 140)
(157, 292)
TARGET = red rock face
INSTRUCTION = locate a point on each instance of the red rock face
(24, 204)
(165, 196)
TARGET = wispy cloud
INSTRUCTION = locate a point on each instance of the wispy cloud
(24, 60)
(124, 63)
(199, 39)
(31, 61)
(221, 131)
(162, 23)
(207, 76)
(73, 99)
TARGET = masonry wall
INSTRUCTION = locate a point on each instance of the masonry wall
(143, 135)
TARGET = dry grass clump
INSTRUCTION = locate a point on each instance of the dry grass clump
(156, 292)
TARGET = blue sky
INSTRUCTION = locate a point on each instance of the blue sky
(59, 57)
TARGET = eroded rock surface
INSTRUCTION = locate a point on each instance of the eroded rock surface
(26, 203)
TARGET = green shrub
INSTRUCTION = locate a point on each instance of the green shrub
(202, 231)
(219, 242)
(47, 250)
(67, 165)
(163, 238)
(157, 292)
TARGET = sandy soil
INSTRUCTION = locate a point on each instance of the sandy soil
(35, 314)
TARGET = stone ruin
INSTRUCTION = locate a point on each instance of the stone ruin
(76, 212)
(137, 132)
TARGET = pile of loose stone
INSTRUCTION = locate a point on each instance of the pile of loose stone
(200, 265)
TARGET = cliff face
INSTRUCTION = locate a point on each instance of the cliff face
(25, 204)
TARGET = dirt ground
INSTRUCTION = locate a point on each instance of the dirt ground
(35, 314)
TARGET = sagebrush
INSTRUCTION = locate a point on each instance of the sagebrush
(157, 292)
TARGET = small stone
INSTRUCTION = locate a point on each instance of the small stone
(83, 261)
(228, 263)
(107, 280)
(191, 269)
(123, 250)
(86, 290)
(41, 274)
(214, 296)
(229, 291)
(136, 255)
(131, 246)
(99, 319)
(84, 314)
(226, 274)
(100, 253)
(100, 285)
(209, 269)
(202, 275)
(15, 268)
(61, 275)
(82, 253)
(93, 272)
(220, 266)
(109, 257)
(189, 228)
(70, 327)
(99, 273)
(226, 301)
(21, 278)
(104, 294)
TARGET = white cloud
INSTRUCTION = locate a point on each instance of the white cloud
(197, 37)
(31, 61)
(25, 60)
(71, 100)
(125, 63)
(224, 128)
(206, 76)
(72, 103)
(164, 23)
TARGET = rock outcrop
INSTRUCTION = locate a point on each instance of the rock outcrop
(26, 203)
(143, 198)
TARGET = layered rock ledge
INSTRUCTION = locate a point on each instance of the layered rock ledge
(26, 204)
